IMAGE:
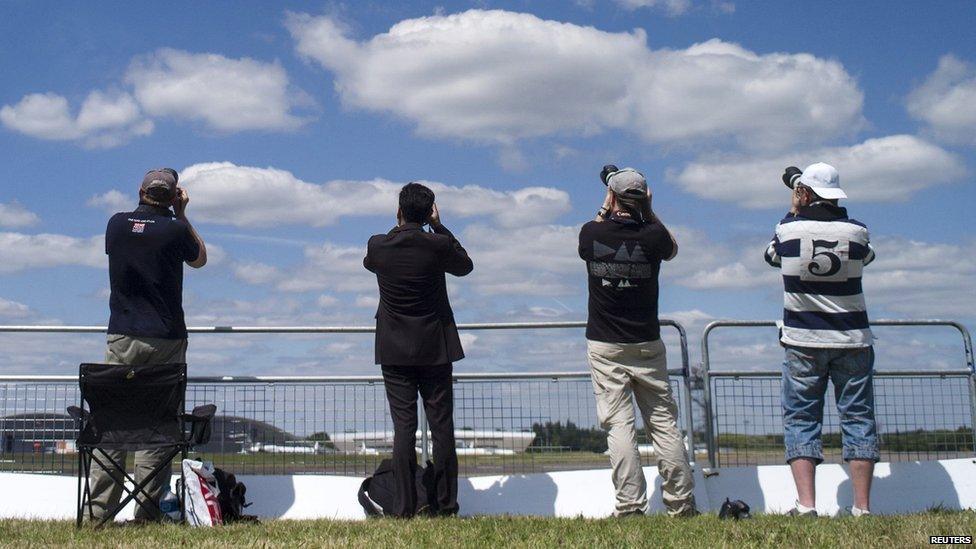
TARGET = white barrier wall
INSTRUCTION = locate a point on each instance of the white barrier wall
(898, 488)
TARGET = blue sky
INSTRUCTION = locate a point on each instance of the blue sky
(293, 124)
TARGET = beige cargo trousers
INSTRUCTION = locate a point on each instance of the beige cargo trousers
(106, 494)
(622, 372)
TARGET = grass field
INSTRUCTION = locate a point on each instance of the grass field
(703, 531)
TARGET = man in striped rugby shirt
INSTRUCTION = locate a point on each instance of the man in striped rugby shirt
(825, 331)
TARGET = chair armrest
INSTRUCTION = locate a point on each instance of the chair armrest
(80, 416)
(199, 421)
(201, 413)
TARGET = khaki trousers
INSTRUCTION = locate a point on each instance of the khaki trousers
(620, 372)
(106, 493)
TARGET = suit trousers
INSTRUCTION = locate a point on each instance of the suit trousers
(106, 493)
(435, 386)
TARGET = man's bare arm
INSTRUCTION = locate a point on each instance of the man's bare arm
(182, 199)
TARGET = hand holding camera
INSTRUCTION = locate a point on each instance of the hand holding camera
(180, 201)
(435, 216)
(791, 177)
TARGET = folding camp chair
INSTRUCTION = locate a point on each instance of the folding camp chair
(133, 408)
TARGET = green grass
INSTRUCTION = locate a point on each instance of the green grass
(704, 531)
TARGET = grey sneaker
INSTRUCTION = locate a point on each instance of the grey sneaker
(794, 512)
(849, 512)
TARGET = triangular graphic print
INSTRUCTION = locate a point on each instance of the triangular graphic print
(602, 250)
(622, 254)
(638, 255)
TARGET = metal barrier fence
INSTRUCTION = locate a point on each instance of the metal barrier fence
(505, 423)
(921, 414)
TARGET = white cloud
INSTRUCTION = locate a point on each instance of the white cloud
(112, 201)
(104, 119)
(367, 301)
(22, 251)
(226, 94)
(15, 215)
(329, 267)
(244, 196)
(922, 279)
(673, 7)
(885, 169)
(946, 101)
(325, 301)
(530, 261)
(500, 76)
(14, 310)
(691, 318)
(704, 264)
(255, 272)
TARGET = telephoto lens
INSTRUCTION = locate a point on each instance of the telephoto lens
(606, 171)
(791, 175)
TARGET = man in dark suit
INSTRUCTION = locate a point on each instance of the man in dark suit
(417, 340)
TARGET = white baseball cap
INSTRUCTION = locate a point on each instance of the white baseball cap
(824, 180)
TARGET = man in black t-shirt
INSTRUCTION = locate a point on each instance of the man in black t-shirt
(146, 250)
(623, 249)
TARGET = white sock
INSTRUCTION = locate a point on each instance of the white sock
(858, 512)
(804, 508)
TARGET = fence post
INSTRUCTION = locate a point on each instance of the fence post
(686, 389)
(967, 343)
(707, 397)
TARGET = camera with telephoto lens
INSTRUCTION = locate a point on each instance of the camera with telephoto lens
(607, 171)
(791, 175)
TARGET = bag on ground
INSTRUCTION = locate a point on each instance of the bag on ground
(377, 493)
(201, 500)
(231, 496)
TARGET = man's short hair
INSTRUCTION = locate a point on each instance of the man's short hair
(633, 206)
(416, 202)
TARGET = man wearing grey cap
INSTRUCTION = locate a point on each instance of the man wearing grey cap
(146, 250)
(623, 249)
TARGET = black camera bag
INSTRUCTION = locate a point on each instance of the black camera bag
(377, 493)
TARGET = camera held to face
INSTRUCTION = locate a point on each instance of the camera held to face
(790, 176)
(607, 171)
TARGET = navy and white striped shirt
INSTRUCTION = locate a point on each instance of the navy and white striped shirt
(821, 253)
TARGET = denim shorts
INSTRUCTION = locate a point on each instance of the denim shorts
(805, 374)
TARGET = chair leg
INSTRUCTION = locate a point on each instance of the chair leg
(81, 503)
(182, 494)
(138, 487)
(86, 497)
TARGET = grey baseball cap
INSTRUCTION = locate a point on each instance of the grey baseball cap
(164, 179)
(627, 183)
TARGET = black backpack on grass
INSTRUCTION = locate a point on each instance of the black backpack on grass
(378, 492)
(231, 498)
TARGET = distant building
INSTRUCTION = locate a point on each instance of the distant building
(469, 442)
(44, 433)
(37, 434)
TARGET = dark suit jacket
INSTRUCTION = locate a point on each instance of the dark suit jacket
(414, 322)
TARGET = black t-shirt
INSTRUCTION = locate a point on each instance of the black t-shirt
(623, 258)
(146, 250)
